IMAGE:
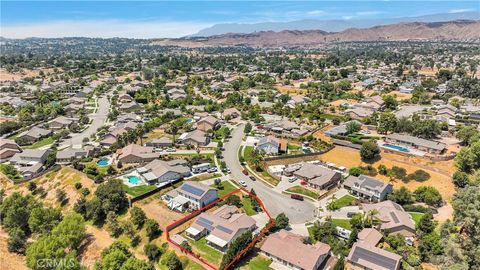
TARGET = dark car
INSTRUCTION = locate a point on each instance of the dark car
(296, 197)
(245, 172)
(253, 178)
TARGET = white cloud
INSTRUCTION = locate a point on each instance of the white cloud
(347, 17)
(368, 13)
(460, 10)
(103, 28)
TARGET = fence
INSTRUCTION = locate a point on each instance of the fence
(55, 168)
(347, 144)
(299, 155)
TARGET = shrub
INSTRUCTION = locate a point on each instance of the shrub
(419, 175)
(355, 171)
(78, 185)
(369, 150)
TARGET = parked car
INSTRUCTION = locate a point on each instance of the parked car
(212, 169)
(228, 170)
(253, 178)
(242, 183)
(296, 197)
(171, 150)
(245, 172)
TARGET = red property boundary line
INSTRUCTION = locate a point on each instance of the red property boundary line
(195, 213)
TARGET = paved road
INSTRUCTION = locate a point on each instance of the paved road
(275, 202)
(98, 120)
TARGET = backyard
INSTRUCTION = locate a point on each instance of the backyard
(344, 223)
(224, 188)
(41, 143)
(138, 190)
(206, 252)
(416, 216)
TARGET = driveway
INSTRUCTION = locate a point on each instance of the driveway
(99, 118)
(274, 201)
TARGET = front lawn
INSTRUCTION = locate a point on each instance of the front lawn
(247, 206)
(259, 262)
(247, 153)
(416, 216)
(224, 188)
(346, 200)
(344, 223)
(138, 190)
(205, 251)
(303, 191)
(41, 143)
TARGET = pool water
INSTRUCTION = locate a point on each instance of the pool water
(102, 162)
(132, 179)
(396, 147)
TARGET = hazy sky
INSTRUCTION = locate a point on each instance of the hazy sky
(148, 19)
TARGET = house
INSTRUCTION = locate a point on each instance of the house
(290, 250)
(30, 157)
(272, 145)
(317, 176)
(358, 113)
(130, 106)
(125, 98)
(221, 226)
(207, 123)
(160, 142)
(32, 135)
(393, 219)
(195, 138)
(368, 187)
(367, 257)
(429, 146)
(341, 129)
(8, 148)
(159, 171)
(111, 137)
(71, 110)
(61, 122)
(190, 195)
(66, 156)
(231, 113)
(134, 153)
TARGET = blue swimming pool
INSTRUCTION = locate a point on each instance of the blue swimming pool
(132, 179)
(103, 162)
(396, 147)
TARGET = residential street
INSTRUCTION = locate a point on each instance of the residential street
(275, 202)
(98, 119)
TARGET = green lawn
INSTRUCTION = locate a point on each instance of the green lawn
(346, 200)
(310, 233)
(259, 263)
(43, 142)
(416, 216)
(270, 179)
(247, 152)
(344, 223)
(138, 190)
(247, 205)
(227, 188)
(206, 252)
(303, 191)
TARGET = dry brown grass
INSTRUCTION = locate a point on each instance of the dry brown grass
(439, 171)
(291, 90)
(10, 260)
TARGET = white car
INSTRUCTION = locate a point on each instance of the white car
(213, 169)
(242, 183)
(171, 150)
(228, 170)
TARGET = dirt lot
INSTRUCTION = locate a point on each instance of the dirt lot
(291, 90)
(156, 209)
(338, 102)
(10, 260)
(400, 96)
(440, 171)
(9, 76)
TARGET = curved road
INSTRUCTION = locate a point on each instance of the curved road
(275, 202)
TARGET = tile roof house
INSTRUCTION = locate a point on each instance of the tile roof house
(317, 176)
(8, 148)
(221, 226)
(134, 153)
(71, 110)
(67, 155)
(32, 135)
(111, 137)
(125, 98)
(130, 106)
(60, 122)
(364, 256)
(231, 113)
(429, 146)
(368, 187)
(207, 123)
(290, 250)
(30, 157)
(340, 129)
(196, 138)
(393, 219)
(160, 142)
(271, 145)
(190, 195)
(159, 171)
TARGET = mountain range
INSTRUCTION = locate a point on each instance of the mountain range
(328, 25)
(444, 31)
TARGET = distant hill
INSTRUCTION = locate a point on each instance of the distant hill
(454, 30)
(328, 25)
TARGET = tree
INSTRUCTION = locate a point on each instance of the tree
(281, 221)
(172, 262)
(112, 196)
(137, 216)
(152, 228)
(234, 200)
(248, 128)
(43, 220)
(113, 225)
(237, 245)
(460, 179)
(429, 246)
(355, 171)
(17, 241)
(152, 251)
(186, 246)
(468, 158)
(401, 196)
(466, 133)
(426, 224)
(390, 102)
(352, 127)
(369, 150)
(428, 195)
(386, 122)
(419, 175)
(61, 196)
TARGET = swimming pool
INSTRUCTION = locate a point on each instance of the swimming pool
(396, 147)
(133, 179)
(103, 162)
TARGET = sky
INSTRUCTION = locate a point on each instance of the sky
(157, 19)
